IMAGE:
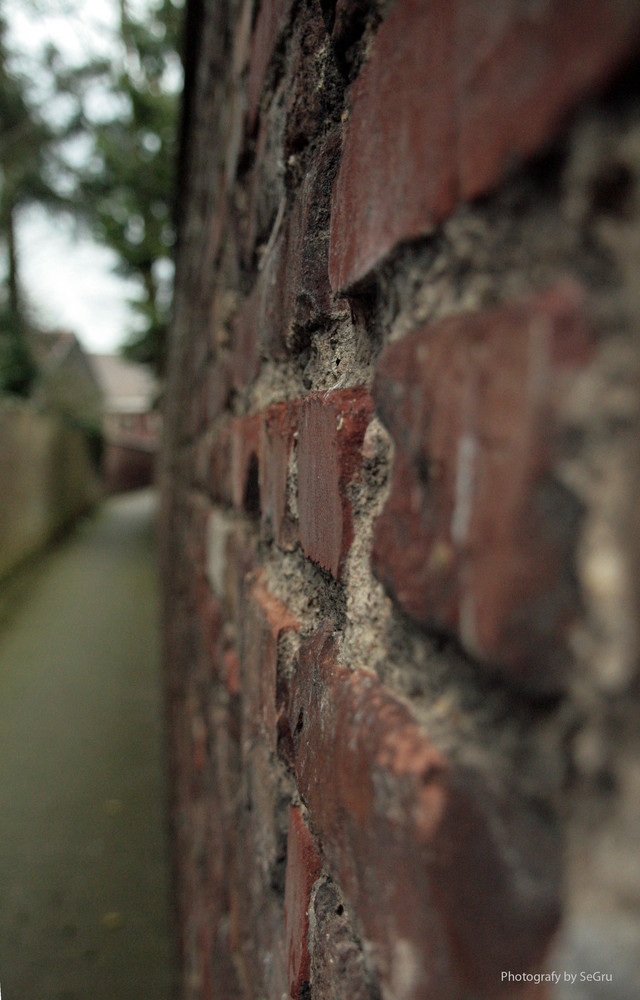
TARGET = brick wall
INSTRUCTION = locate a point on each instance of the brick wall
(400, 473)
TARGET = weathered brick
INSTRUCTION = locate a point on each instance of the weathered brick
(347, 25)
(477, 537)
(451, 97)
(293, 292)
(303, 869)
(450, 882)
(521, 67)
(397, 175)
(258, 828)
(241, 561)
(265, 621)
(244, 472)
(245, 353)
(278, 432)
(266, 185)
(313, 85)
(271, 22)
(332, 429)
(260, 839)
(219, 473)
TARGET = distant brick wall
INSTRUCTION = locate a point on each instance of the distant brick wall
(125, 467)
(400, 500)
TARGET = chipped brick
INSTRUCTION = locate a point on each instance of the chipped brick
(303, 869)
(477, 537)
(449, 883)
(332, 429)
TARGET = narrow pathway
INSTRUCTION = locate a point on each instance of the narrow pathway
(84, 909)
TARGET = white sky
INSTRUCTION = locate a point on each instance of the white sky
(69, 281)
(71, 284)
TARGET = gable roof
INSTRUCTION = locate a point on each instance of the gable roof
(127, 386)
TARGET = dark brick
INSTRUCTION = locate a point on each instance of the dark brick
(233, 476)
(303, 869)
(313, 86)
(308, 248)
(278, 432)
(219, 474)
(450, 882)
(522, 67)
(245, 354)
(350, 19)
(266, 186)
(332, 429)
(244, 472)
(271, 22)
(477, 537)
(294, 293)
(217, 387)
(397, 175)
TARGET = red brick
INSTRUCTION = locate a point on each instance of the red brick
(231, 665)
(245, 353)
(244, 472)
(265, 621)
(271, 22)
(450, 882)
(397, 176)
(332, 429)
(294, 293)
(451, 97)
(521, 68)
(278, 432)
(477, 537)
(303, 870)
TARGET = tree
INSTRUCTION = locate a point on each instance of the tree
(127, 185)
(26, 152)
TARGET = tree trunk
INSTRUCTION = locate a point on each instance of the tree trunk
(13, 283)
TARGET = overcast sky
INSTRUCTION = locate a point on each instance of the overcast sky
(70, 281)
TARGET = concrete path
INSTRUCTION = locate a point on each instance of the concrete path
(84, 909)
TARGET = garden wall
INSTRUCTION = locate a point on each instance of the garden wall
(400, 501)
(46, 480)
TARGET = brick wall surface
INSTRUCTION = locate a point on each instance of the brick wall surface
(401, 463)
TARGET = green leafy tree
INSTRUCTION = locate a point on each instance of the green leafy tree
(127, 185)
(27, 147)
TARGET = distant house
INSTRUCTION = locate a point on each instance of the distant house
(130, 421)
(107, 397)
(67, 383)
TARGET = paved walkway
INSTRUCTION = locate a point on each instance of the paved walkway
(83, 874)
